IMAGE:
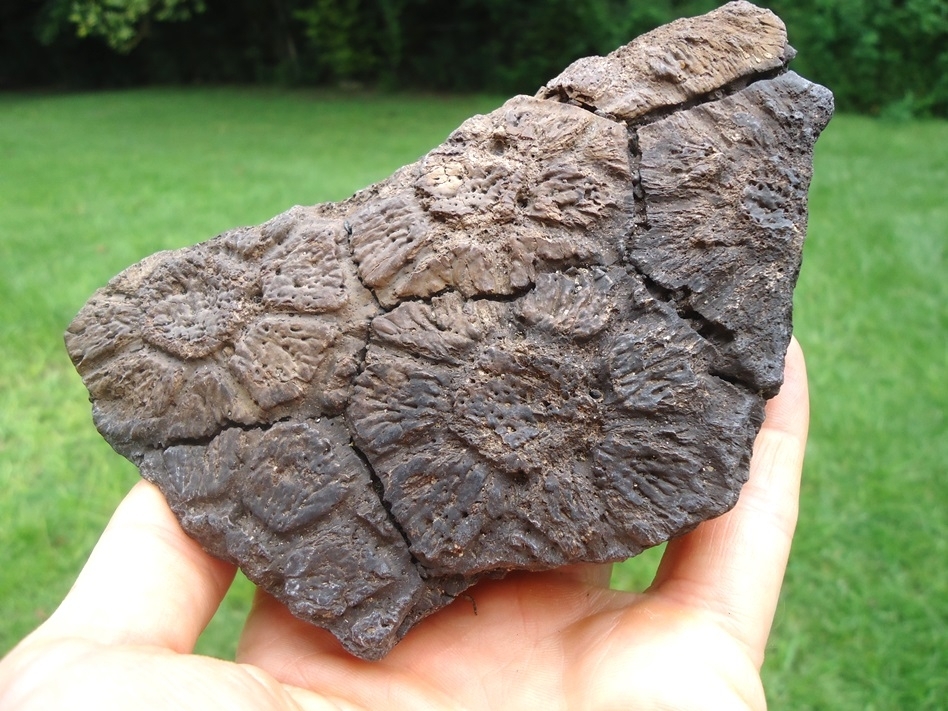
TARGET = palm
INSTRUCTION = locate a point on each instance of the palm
(551, 640)
(559, 639)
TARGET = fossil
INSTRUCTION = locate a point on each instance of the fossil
(549, 340)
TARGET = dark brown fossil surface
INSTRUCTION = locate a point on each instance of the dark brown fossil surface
(547, 341)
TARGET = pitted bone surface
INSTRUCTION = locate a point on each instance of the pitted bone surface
(547, 341)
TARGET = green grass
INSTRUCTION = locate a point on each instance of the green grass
(91, 183)
(864, 621)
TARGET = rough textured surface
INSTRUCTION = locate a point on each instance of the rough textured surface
(549, 340)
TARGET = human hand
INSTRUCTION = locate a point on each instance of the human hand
(561, 639)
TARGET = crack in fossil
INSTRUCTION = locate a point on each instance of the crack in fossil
(561, 94)
(715, 95)
(712, 332)
(379, 488)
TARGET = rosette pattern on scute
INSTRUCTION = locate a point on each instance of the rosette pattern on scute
(234, 331)
(550, 428)
(528, 188)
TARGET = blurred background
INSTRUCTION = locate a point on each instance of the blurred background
(129, 126)
(886, 57)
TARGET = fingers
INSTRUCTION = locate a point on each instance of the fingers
(146, 582)
(733, 566)
(272, 632)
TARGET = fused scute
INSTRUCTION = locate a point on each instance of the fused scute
(307, 275)
(195, 301)
(577, 308)
(106, 325)
(677, 62)
(547, 341)
(467, 448)
(295, 506)
(726, 186)
(528, 188)
(386, 235)
(277, 357)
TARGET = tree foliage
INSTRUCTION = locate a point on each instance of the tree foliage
(877, 55)
(121, 23)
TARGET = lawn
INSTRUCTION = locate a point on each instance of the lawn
(91, 183)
